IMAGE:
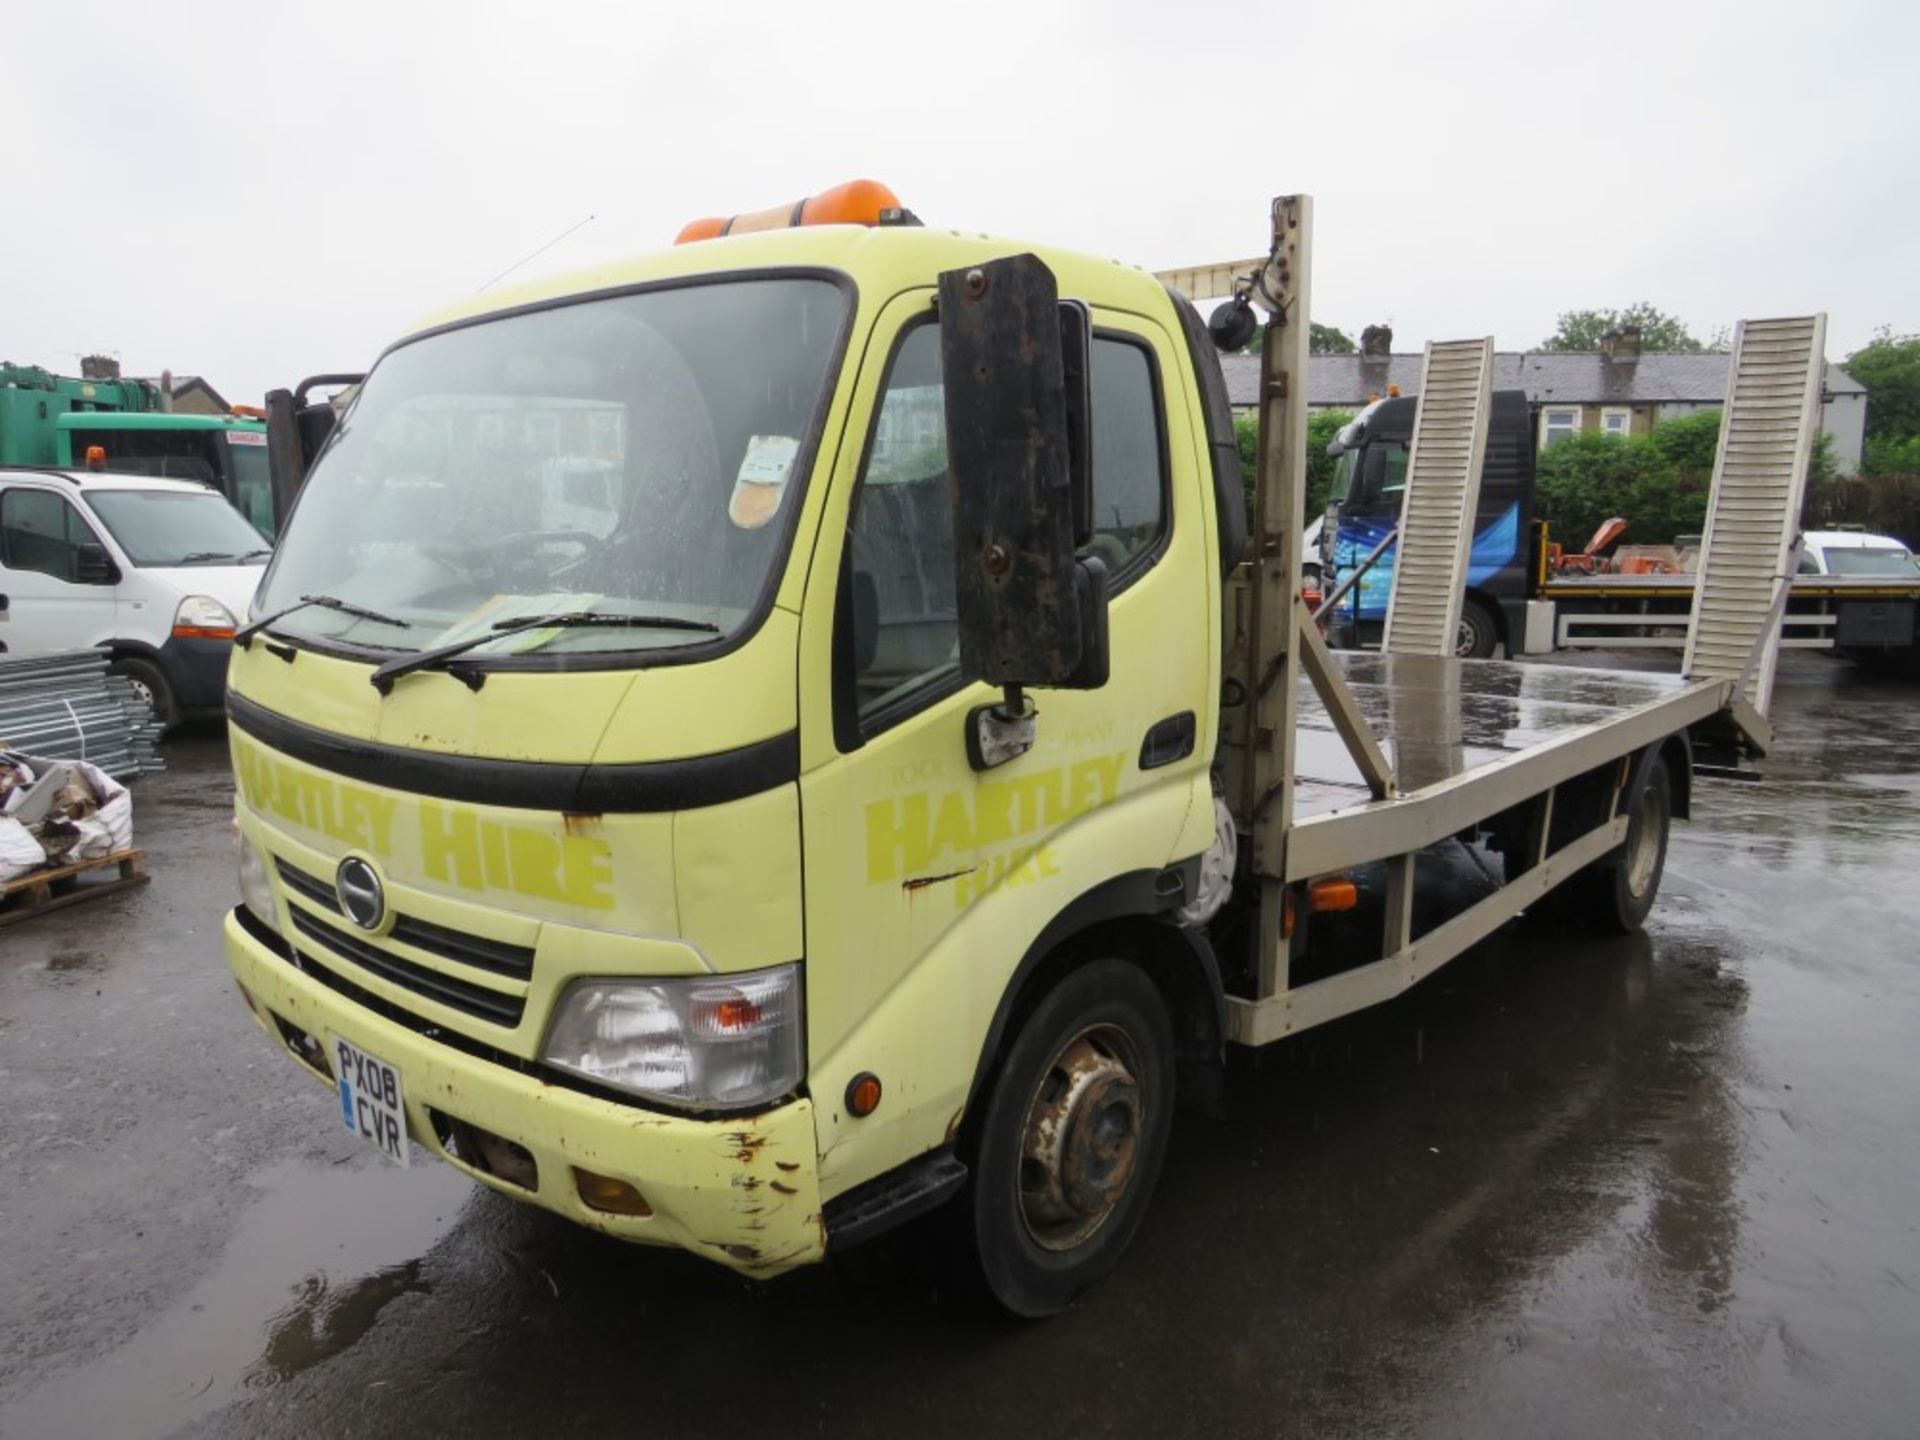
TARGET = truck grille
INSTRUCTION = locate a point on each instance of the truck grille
(457, 994)
(513, 961)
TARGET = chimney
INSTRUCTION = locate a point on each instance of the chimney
(99, 367)
(1376, 341)
(1621, 344)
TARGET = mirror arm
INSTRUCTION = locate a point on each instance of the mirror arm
(1002, 731)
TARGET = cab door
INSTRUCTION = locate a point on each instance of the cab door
(926, 881)
(58, 594)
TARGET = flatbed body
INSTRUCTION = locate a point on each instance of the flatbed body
(1459, 723)
(1470, 741)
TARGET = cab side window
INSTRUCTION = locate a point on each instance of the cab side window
(1388, 472)
(906, 641)
(41, 532)
(1129, 458)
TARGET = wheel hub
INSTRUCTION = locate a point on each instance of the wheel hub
(1081, 1142)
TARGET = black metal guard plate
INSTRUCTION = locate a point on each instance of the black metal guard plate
(1010, 473)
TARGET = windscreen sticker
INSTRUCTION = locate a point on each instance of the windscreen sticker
(246, 437)
(762, 480)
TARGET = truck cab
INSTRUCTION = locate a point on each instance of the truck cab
(616, 815)
(225, 453)
(1363, 508)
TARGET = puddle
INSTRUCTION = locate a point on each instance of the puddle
(327, 1319)
(76, 962)
(319, 1255)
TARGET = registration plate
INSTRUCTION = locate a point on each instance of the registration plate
(371, 1101)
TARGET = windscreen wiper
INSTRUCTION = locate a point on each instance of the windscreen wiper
(199, 556)
(384, 676)
(243, 637)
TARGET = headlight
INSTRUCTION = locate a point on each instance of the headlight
(201, 617)
(716, 1042)
(256, 886)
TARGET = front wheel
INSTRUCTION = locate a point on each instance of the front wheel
(150, 683)
(1073, 1138)
(1615, 895)
(1479, 632)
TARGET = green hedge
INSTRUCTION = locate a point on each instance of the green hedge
(1322, 426)
(1658, 481)
(1884, 504)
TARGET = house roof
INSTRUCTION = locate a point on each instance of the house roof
(183, 383)
(1572, 377)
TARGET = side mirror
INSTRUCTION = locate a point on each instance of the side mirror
(296, 429)
(1030, 611)
(93, 566)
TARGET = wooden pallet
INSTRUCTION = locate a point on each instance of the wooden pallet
(34, 894)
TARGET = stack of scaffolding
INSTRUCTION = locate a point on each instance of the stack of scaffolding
(69, 706)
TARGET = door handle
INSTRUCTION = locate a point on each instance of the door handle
(1168, 740)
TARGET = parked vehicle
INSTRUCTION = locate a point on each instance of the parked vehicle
(1862, 603)
(155, 571)
(685, 851)
(1855, 552)
(1363, 507)
(124, 427)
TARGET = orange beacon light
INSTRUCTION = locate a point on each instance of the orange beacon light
(858, 202)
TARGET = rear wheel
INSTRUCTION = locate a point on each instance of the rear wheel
(1073, 1138)
(1615, 895)
(150, 683)
(1479, 632)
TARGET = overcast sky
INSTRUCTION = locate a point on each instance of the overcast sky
(257, 192)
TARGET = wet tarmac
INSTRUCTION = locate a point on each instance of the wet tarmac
(1662, 1186)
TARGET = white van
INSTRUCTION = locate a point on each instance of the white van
(154, 570)
(1854, 552)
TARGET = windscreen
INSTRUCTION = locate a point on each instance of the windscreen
(636, 456)
(1344, 470)
(252, 478)
(169, 454)
(159, 528)
(1862, 560)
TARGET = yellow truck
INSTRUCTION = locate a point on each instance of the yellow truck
(745, 747)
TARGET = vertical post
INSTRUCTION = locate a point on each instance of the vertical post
(1279, 500)
(1398, 931)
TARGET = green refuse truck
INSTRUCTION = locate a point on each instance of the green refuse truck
(102, 421)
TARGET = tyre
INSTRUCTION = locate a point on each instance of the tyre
(150, 683)
(1614, 895)
(1074, 1134)
(1479, 632)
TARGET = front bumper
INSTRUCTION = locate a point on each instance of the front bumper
(197, 670)
(742, 1191)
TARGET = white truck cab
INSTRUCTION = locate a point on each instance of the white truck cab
(153, 570)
